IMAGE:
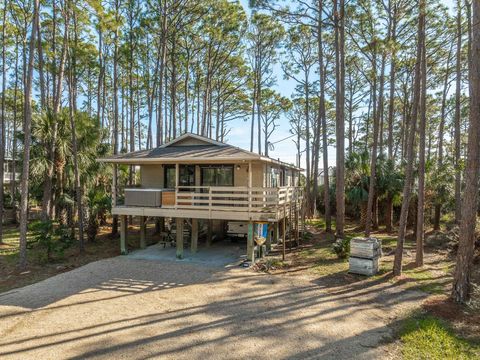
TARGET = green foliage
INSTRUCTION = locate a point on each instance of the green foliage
(357, 177)
(341, 247)
(99, 205)
(427, 337)
(440, 184)
(52, 238)
(389, 180)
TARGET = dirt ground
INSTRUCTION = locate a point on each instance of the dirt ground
(38, 269)
(128, 308)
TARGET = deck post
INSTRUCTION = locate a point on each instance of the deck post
(268, 242)
(179, 222)
(159, 225)
(209, 232)
(250, 243)
(276, 231)
(249, 188)
(143, 228)
(297, 235)
(194, 243)
(177, 174)
(284, 225)
(123, 235)
(290, 225)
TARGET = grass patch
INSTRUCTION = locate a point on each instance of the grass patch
(316, 223)
(427, 280)
(323, 260)
(427, 337)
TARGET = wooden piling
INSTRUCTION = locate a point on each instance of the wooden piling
(123, 235)
(250, 243)
(143, 228)
(179, 222)
(194, 242)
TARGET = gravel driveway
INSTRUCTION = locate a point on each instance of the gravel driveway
(138, 309)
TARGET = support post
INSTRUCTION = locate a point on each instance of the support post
(143, 228)
(179, 222)
(297, 235)
(123, 235)
(177, 174)
(194, 242)
(276, 231)
(209, 232)
(290, 225)
(249, 184)
(268, 242)
(250, 243)
(284, 223)
(159, 225)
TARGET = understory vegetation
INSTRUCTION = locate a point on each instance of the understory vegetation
(428, 337)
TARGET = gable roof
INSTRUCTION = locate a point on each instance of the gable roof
(190, 148)
(190, 136)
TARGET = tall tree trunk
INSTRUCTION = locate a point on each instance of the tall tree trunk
(441, 129)
(47, 205)
(380, 102)
(100, 74)
(259, 110)
(2, 118)
(421, 161)
(458, 147)
(72, 112)
(340, 118)
(163, 60)
(254, 98)
(13, 184)
(373, 161)
(461, 291)
(27, 132)
(391, 99)
(407, 188)
(323, 122)
(308, 178)
(388, 214)
(131, 170)
(115, 125)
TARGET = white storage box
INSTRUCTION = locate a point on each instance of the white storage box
(363, 266)
(364, 255)
(365, 247)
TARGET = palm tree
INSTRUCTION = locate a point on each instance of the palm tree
(440, 183)
(357, 178)
(389, 187)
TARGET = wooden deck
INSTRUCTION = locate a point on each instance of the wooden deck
(222, 203)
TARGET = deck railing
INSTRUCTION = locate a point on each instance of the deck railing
(223, 198)
(244, 199)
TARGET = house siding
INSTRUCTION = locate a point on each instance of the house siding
(151, 176)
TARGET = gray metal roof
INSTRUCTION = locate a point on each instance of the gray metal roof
(206, 150)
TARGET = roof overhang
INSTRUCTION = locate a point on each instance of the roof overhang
(183, 160)
(241, 156)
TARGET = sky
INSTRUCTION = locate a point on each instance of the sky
(285, 150)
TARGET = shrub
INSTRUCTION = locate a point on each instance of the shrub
(99, 204)
(52, 238)
(341, 247)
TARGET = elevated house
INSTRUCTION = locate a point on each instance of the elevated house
(194, 179)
